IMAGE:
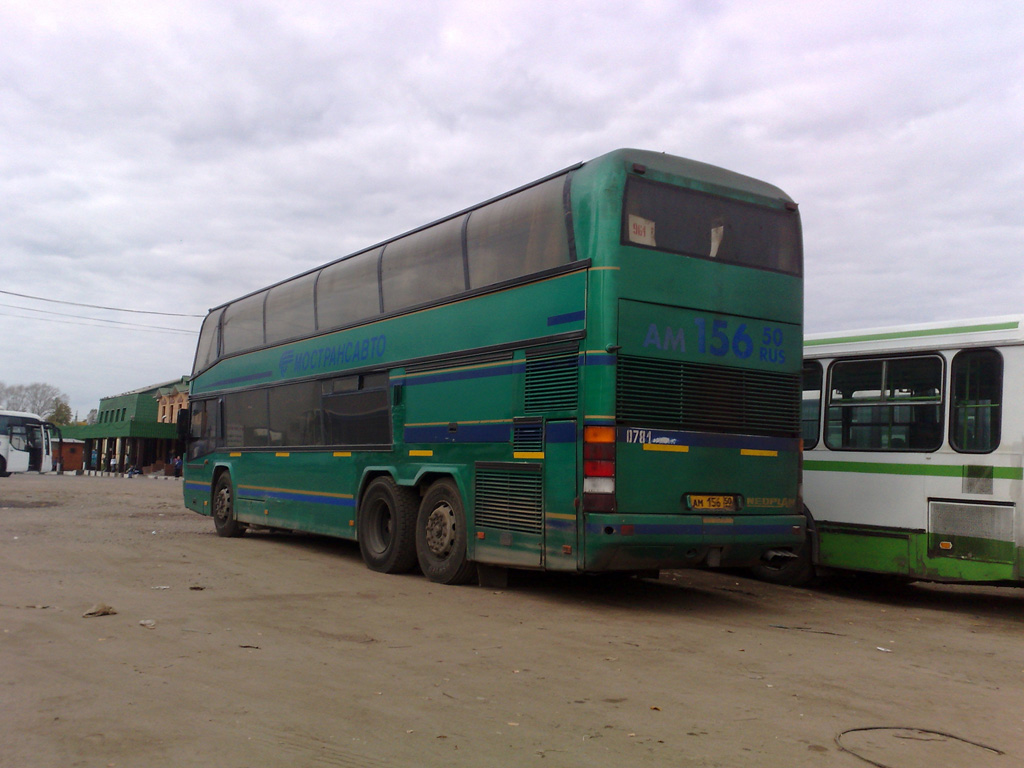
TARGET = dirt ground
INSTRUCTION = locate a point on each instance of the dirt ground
(279, 649)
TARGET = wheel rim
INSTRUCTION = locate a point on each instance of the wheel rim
(440, 530)
(381, 529)
(222, 505)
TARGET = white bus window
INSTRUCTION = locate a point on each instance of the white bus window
(977, 392)
(810, 405)
(885, 404)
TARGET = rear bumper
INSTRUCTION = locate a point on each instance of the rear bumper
(616, 542)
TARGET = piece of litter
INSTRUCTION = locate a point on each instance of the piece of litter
(99, 609)
(883, 650)
(159, 587)
(147, 623)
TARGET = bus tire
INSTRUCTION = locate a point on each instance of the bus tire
(795, 572)
(387, 526)
(224, 508)
(442, 536)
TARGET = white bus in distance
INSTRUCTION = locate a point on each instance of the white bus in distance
(913, 444)
(26, 443)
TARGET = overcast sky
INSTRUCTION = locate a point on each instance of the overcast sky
(169, 156)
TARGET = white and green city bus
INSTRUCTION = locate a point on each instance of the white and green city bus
(913, 445)
(26, 443)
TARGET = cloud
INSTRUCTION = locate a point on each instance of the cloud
(172, 156)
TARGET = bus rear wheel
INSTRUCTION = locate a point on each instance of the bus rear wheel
(387, 527)
(442, 536)
(224, 509)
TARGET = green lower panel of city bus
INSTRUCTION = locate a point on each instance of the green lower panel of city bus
(918, 554)
(636, 542)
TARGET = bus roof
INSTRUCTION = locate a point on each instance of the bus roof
(706, 176)
(980, 332)
(22, 414)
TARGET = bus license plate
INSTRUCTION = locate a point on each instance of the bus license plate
(712, 502)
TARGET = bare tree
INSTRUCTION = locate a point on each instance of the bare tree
(35, 398)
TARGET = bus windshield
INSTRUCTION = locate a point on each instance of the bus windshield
(664, 217)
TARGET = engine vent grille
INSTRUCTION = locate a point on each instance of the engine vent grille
(552, 383)
(509, 497)
(708, 398)
(528, 436)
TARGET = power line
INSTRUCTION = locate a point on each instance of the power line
(96, 319)
(150, 329)
(96, 306)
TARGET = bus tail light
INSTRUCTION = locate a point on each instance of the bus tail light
(599, 469)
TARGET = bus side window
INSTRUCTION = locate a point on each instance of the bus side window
(242, 326)
(889, 404)
(356, 410)
(295, 414)
(347, 291)
(424, 266)
(810, 405)
(204, 427)
(518, 235)
(246, 419)
(289, 309)
(975, 415)
(19, 437)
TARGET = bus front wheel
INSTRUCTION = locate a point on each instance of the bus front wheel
(387, 527)
(224, 509)
(441, 535)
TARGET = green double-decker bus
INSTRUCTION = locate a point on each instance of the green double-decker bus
(598, 371)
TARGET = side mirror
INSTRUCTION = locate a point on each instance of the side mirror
(184, 424)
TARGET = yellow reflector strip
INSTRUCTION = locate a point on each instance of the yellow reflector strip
(719, 520)
(234, 455)
(665, 447)
(528, 454)
(282, 455)
(753, 452)
(421, 453)
(342, 454)
(560, 516)
(599, 434)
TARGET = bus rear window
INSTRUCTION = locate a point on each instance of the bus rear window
(669, 218)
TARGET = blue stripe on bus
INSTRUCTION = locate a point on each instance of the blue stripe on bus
(461, 375)
(283, 495)
(560, 525)
(694, 529)
(465, 433)
(506, 369)
(568, 317)
(239, 380)
(561, 432)
(709, 439)
(198, 486)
